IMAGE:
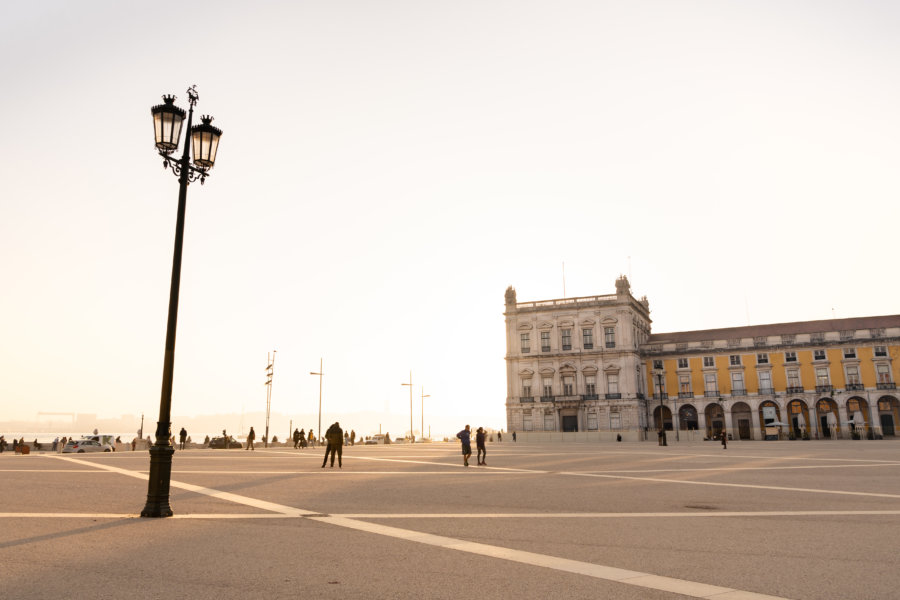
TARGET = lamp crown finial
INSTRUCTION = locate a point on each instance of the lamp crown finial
(207, 119)
(169, 98)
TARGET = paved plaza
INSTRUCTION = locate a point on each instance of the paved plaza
(791, 519)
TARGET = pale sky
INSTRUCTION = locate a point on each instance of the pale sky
(388, 168)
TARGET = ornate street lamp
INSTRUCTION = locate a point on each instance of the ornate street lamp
(167, 120)
(662, 420)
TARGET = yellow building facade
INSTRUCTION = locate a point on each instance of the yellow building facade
(808, 380)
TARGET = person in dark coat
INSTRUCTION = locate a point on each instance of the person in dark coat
(466, 444)
(724, 440)
(334, 437)
(479, 443)
(182, 436)
(296, 438)
(250, 437)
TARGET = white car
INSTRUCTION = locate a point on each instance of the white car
(80, 446)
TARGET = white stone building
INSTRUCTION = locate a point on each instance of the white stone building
(574, 364)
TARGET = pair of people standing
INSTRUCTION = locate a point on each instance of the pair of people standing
(465, 437)
(334, 438)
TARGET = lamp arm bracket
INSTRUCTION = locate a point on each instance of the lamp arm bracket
(194, 173)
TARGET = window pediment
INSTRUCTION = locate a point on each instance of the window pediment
(613, 368)
(545, 326)
(588, 323)
(525, 326)
(547, 371)
(589, 370)
(609, 320)
(526, 373)
(567, 323)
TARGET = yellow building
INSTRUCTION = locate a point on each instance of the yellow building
(815, 379)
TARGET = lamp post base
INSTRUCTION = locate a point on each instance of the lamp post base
(158, 486)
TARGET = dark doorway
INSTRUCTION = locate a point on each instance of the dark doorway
(744, 429)
(570, 423)
(887, 425)
(825, 429)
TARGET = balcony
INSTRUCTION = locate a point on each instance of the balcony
(610, 344)
(545, 348)
(567, 346)
(589, 346)
(526, 398)
(887, 386)
(738, 392)
(711, 393)
(590, 397)
(526, 349)
(854, 387)
(766, 391)
(613, 396)
(794, 389)
(663, 396)
(547, 398)
(824, 389)
(685, 394)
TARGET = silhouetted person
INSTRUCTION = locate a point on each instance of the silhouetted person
(479, 444)
(499, 437)
(182, 436)
(466, 444)
(514, 436)
(312, 439)
(250, 437)
(296, 438)
(334, 439)
(724, 440)
(352, 437)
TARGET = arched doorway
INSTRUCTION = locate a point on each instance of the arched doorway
(858, 416)
(827, 418)
(741, 420)
(769, 414)
(888, 414)
(666, 417)
(798, 419)
(715, 419)
(687, 418)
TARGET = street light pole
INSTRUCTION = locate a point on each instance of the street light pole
(320, 374)
(410, 384)
(167, 119)
(424, 395)
(270, 372)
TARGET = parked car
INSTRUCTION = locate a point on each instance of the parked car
(219, 442)
(103, 438)
(378, 438)
(79, 446)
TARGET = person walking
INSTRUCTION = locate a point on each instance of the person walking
(466, 444)
(352, 437)
(499, 436)
(514, 436)
(312, 439)
(724, 440)
(182, 436)
(296, 438)
(479, 444)
(334, 439)
(250, 437)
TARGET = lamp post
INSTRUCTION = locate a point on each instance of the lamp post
(424, 395)
(662, 423)
(410, 384)
(320, 374)
(167, 120)
(270, 372)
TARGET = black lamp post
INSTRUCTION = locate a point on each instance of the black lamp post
(167, 120)
(662, 421)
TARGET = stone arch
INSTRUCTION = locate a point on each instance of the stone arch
(715, 419)
(666, 420)
(858, 419)
(798, 418)
(688, 418)
(742, 420)
(828, 420)
(888, 415)
(769, 413)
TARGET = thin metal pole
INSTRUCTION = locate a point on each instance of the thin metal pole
(161, 452)
(410, 384)
(320, 374)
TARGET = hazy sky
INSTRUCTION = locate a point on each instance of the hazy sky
(388, 168)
